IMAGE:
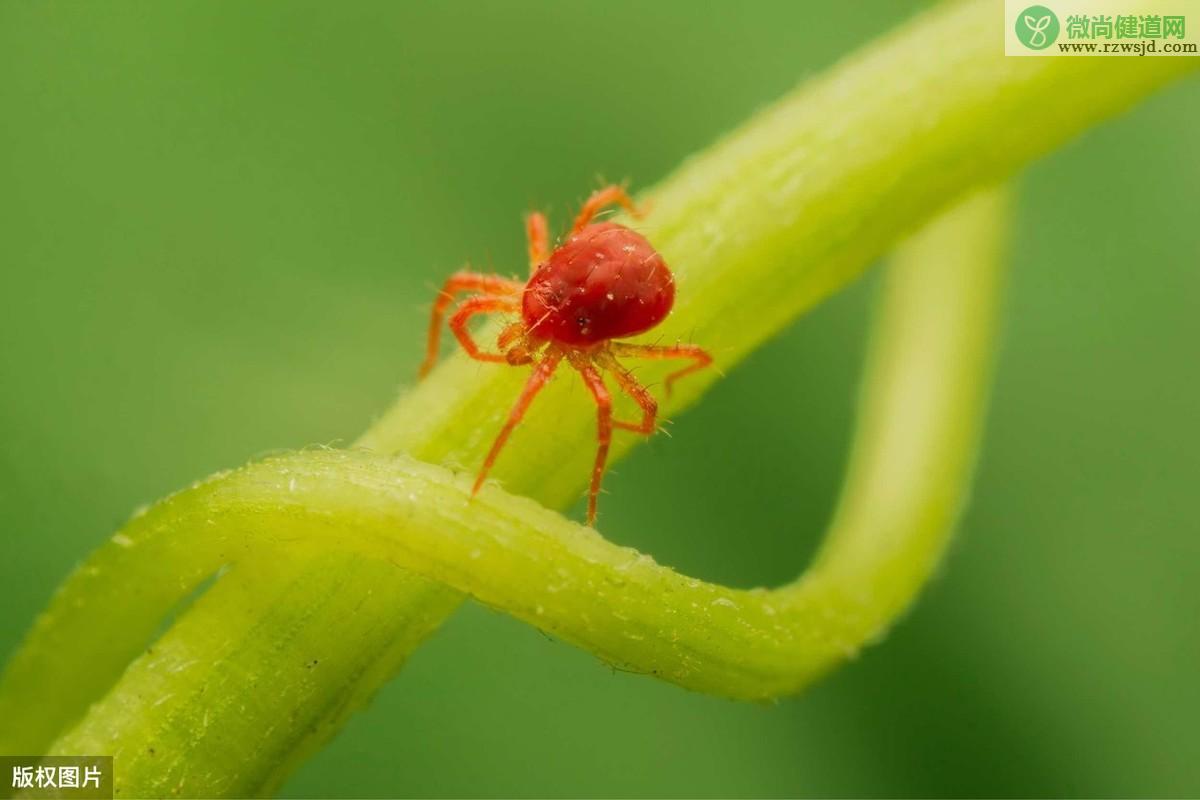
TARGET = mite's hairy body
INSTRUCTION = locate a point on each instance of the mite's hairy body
(604, 281)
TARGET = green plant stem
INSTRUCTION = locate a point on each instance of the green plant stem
(759, 228)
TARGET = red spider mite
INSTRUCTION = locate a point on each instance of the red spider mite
(605, 281)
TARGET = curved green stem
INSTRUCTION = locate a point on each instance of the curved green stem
(330, 585)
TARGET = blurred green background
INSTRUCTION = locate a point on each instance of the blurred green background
(220, 225)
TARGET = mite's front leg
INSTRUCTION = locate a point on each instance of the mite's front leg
(459, 282)
(601, 198)
(473, 307)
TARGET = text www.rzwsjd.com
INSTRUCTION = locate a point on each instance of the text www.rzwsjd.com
(1142, 48)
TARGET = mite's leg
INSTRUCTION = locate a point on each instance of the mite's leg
(604, 426)
(538, 233)
(474, 306)
(701, 357)
(460, 282)
(518, 347)
(541, 374)
(640, 395)
(601, 198)
(510, 334)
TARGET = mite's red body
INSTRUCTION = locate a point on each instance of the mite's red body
(602, 283)
(605, 281)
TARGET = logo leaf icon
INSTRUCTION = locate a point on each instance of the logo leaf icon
(1037, 28)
